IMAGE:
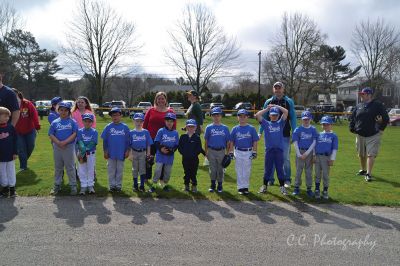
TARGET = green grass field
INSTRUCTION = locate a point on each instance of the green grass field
(345, 186)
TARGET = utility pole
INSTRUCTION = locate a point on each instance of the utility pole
(259, 81)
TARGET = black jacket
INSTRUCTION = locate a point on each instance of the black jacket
(363, 119)
(190, 147)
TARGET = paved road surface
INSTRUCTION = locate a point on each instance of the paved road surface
(122, 231)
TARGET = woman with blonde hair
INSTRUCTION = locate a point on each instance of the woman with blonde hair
(155, 119)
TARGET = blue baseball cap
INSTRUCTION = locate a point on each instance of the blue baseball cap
(138, 116)
(274, 111)
(306, 115)
(191, 122)
(366, 90)
(115, 110)
(242, 112)
(56, 100)
(64, 105)
(216, 111)
(326, 120)
(88, 116)
(170, 116)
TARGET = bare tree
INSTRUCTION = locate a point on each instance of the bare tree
(129, 88)
(290, 57)
(199, 48)
(97, 41)
(375, 44)
(9, 19)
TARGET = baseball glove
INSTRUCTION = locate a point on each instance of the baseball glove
(149, 161)
(226, 161)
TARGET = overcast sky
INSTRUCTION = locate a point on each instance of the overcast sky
(252, 22)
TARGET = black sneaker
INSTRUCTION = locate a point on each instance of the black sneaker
(368, 178)
(362, 172)
(111, 190)
(135, 188)
(166, 188)
(13, 194)
(141, 189)
(4, 192)
(246, 191)
(240, 191)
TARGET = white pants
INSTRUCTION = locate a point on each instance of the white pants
(243, 168)
(7, 174)
(86, 171)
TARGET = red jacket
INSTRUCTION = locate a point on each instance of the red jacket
(28, 119)
(154, 120)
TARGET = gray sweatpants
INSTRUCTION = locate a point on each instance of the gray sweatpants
(138, 163)
(64, 158)
(158, 171)
(322, 169)
(115, 168)
(216, 170)
(305, 165)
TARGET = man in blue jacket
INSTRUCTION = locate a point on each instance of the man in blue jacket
(279, 98)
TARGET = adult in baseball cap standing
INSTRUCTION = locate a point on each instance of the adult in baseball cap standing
(368, 121)
(279, 98)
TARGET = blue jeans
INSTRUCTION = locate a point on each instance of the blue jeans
(25, 146)
(274, 159)
(286, 163)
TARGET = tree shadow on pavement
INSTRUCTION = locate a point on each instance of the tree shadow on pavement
(8, 211)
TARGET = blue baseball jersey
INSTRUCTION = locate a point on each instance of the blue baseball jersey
(217, 136)
(63, 128)
(140, 139)
(170, 139)
(273, 136)
(326, 143)
(53, 115)
(116, 140)
(244, 136)
(87, 136)
(304, 136)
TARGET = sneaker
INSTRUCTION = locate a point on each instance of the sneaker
(283, 190)
(83, 191)
(262, 189)
(56, 189)
(152, 189)
(211, 189)
(240, 191)
(362, 172)
(317, 194)
(111, 189)
(166, 188)
(310, 193)
(118, 189)
(296, 191)
(287, 184)
(74, 191)
(270, 183)
(13, 194)
(246, 191)
(187, 188)
(141, 188)
(219, 189)
(325, 195)
(368, 178)
(194, 189)
(91, 190)
(135, 187)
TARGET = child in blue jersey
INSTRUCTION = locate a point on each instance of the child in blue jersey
(116, 148)
(244, 140)
(86, 144)
(304, 139)
(140, 141)
(53, 114)
(325, 155)
(62, 133)
(8, 154)
(166, 142)
(273, 139)
(216, 146)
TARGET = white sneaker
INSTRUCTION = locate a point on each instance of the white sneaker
(283, 190)
(262, 189)
(287, 184)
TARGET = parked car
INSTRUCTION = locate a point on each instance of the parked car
(299, 109)
(244, 105)
(43, 107)
(394, 117)
(94, 106)
(104, 106)
(178, 109)
(122, 106)
(220, 105)
(144, 106)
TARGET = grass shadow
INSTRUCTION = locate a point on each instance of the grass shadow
(26, 178)
(8, 211)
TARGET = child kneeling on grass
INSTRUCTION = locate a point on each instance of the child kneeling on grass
(116, 149)
(166, 142)
(86, 144)
(62, 133)
(273, 139)
(8, 154)
(325, 155)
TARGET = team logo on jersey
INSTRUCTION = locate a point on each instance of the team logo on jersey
(324, 139)
(115, 132)
(64, 127)
(273, 129)
(138, 137)
(87, 137)
(166, 138)
(4, 135)
(217, 132)
(304, 135)
(240, 136)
